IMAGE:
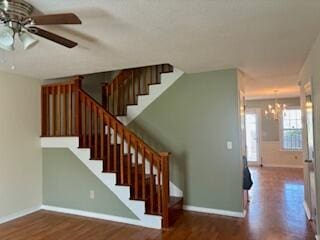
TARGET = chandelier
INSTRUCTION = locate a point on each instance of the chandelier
(274, 111)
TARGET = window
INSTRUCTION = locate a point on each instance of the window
(291, 129)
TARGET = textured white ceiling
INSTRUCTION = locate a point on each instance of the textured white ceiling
(267, 39)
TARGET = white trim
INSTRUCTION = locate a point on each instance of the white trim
(19, 214)
(215, 211)
(281, 130)
(271, 96)
(282, 166)
(256, 111)
(101, 216)
(108, 179)
(167, 79)
(307, 210)
(175, 191)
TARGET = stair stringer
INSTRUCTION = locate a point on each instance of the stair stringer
(175, 191)
(167, 79)
(108, 179)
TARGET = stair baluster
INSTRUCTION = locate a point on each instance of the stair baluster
(125, 88)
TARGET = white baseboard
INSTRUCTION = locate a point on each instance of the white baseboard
(101, 216)
(19, 214)
(307, 210)
(215, 211)
(282, 166)
(108, 179)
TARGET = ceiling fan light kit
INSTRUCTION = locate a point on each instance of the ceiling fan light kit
(7, 47)
(27, 40)
(16, 20)
(6, 36)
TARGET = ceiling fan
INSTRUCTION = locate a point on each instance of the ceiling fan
(16, 19)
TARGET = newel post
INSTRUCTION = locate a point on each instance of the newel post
(165, 188)
(77, 87)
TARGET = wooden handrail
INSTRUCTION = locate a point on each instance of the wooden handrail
(118, 123)
(125, 88)
(67, 110)
(64, 83)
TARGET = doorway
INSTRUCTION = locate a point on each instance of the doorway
(252, 120)
(309, 155)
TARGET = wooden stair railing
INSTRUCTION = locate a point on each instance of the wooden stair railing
(68, 111)
(125, 88)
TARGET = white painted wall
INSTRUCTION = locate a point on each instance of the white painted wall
(273, 156)
(20, 151)
(271, 152)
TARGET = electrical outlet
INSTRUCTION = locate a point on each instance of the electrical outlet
(91, 194)
(229, 145)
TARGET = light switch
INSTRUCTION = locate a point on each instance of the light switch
(229, 145)
(91, 194)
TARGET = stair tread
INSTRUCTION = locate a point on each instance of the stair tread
(174, 200)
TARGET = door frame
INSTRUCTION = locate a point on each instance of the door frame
(309, 205)
(257, 111)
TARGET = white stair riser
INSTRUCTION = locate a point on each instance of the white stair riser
(174, 190)
(167, 79)
(109, 179)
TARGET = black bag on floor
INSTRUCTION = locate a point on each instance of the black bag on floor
(247, 179)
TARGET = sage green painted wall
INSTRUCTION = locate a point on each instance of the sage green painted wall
(67, 183)
(269, 127)
(193, 120)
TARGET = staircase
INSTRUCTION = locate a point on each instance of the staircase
(133, 90)
(68, 111)
(128, 85)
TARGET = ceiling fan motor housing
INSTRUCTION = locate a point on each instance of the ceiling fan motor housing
(15, 12)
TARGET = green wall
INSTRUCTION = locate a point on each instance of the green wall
(193, 120)
(67, 183)
(269, 127)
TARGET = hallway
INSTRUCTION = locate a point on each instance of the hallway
(276, 205)
(275, 213)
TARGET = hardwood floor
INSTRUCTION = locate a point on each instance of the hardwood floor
(276, 207)
(275, 213)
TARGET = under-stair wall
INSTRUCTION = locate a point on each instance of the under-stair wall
(69, 184)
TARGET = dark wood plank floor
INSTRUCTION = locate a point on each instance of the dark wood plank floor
(275, 212)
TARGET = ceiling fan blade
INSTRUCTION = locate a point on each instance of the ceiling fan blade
(54, 19)
(52, 37)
